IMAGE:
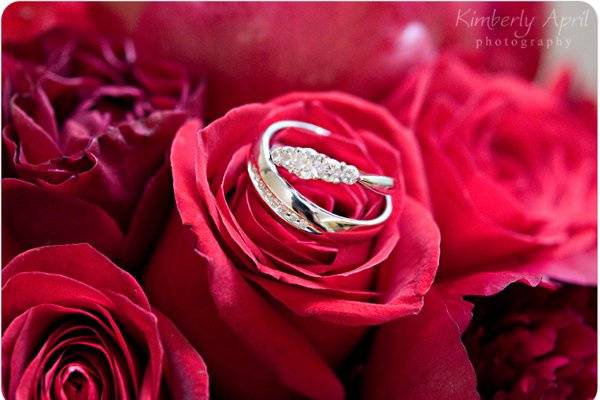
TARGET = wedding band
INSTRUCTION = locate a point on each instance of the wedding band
(307, 163)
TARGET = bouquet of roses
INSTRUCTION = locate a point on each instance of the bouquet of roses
(294, 200)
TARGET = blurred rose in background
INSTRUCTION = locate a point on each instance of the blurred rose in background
(254, 51)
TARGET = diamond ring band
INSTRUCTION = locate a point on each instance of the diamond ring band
(307, 163)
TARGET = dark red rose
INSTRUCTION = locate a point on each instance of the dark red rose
(86, 133)
(535, 343)
(273, 296)
(254, 51)
(511, 169)
(76, 326)
(524, 343)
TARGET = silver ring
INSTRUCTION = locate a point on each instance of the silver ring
(289, 204)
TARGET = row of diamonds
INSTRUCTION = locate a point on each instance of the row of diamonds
(275, 204)
(307, 163)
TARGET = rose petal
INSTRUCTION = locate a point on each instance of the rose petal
(80, 262)
(186, 377)
(420, 357)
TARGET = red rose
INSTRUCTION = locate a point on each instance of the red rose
(499, 155)
(535, 343)
(511, 168)
(273, 296)
(77, 326)
(363, 48)
(86, 132)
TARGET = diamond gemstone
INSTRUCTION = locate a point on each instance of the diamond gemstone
(307, 163)
(275, 204)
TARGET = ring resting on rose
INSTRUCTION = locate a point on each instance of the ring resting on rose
(307, 163)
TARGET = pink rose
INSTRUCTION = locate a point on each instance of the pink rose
(515, 195)
(511, 168)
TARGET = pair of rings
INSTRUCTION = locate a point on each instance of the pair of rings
(288, 203)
